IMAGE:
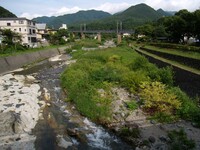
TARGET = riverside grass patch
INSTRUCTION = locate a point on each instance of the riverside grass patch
(101, 70)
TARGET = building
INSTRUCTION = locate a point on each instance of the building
(64, 26)
(26, 28)
(41, 31)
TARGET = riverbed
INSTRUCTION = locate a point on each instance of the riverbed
(38, 116)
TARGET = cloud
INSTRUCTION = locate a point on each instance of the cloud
(113, 7)
(30, 16)
(65, 10)
(171, 5)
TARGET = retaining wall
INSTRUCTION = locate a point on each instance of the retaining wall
(13, 62)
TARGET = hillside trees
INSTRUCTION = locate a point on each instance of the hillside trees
(59, 37)
(178, 28)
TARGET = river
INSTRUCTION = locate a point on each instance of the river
(61, 126)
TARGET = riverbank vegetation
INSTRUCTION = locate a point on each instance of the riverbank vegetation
(90, 80)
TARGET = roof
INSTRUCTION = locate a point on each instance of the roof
(40, 26)
(15, 19)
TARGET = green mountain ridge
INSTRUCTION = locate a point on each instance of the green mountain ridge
(4, 13)
(70, 19)
(130, 18)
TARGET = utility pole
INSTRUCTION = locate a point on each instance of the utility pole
(117, 27)
(120, 26)
(84, 26)
(81, 28)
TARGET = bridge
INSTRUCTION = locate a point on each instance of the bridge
(102, 31)
(99, 32)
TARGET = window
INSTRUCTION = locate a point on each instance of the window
(29, 38)
(20, 29)
(25, 30)
(21, 22)
(8, 24)
(33, 31)
(15, 29)
(30, 31)
(33, 39)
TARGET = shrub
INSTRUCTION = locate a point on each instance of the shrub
(180, 141)
(132, 105)
(157, 98)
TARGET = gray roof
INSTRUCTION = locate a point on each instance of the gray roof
(15, 19)
(40, 26)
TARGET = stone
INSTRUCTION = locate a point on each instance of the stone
(163, 138)
(152, 139)
(7, 121)
(152, 121)
(48, 104)
(63, 143)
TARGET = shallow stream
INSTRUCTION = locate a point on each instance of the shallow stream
(62, 127)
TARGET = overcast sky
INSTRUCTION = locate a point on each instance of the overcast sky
(35, 8)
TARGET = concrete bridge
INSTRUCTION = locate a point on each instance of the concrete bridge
(119, 33)
(102, 31)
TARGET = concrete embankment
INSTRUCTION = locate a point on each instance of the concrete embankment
(13, 62)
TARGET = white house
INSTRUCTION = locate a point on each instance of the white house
(64, 26)
(26, 28)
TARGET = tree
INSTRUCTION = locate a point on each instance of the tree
(197, 24)
(175, 27)
(189, 22)
(59, 37)
(10, 37)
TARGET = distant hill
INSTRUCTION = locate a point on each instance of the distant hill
(164, 13)
(73, 19)
(4, 13)
(99, 20)
(130, 18)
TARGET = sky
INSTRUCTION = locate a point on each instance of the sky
(35, 8)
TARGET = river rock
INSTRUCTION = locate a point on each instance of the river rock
(7, 121)
(63, 143)
(152, 139)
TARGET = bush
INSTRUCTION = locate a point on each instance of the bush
(180, 141)
(132, 105)
(158, 99)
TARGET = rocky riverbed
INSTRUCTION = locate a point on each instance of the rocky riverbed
(33, 115)
(20, 110)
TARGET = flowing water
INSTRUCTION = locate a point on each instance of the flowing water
(62, 127)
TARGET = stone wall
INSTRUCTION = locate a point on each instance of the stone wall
(13, 62)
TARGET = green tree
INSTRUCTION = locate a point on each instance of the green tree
(197, 24)
(189, 20)
(175, 27)
(59, 37)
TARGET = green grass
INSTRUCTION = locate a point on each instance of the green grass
(188, 54)
(173, 63)
(101, 70)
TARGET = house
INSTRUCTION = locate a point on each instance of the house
(26, 28)
(41, 31)
(64, 26)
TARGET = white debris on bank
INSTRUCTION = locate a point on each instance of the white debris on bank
(19, 111)
(55, 58)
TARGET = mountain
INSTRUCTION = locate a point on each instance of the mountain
(99, 20)
(140, 11)
(71, 19)
(130, 18)
(4, 13)
(164, 13)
